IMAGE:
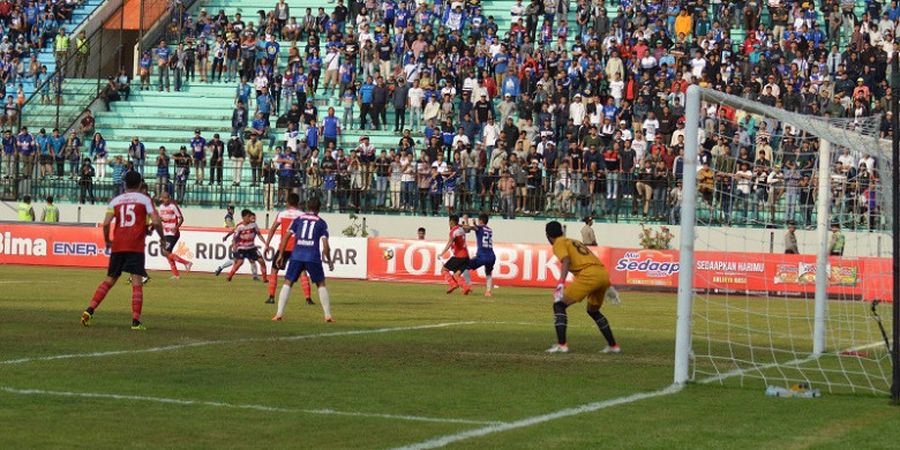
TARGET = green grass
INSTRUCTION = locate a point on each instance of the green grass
(491, 370)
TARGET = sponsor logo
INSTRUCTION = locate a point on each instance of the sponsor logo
(78, 249)
(11, 245)
(646, 264)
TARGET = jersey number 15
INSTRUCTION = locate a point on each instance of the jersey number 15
(127, 217)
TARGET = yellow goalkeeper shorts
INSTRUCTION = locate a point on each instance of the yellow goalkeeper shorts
(591, 284)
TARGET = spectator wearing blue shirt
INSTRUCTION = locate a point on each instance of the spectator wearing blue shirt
(9, 153)
(118, 172)
(198, 153)
(365, 103)
(500, 61)
(260, 129)
(162, 62)
(312, 135)
(98, 152)
(264, 103)
(146, 68)
(331, 128)
(42, 140)
(57, 144)
(300, 86)
(26, 148)
(510, 85)
(455, 19)
(242, 92)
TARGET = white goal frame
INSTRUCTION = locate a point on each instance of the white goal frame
(828, 135)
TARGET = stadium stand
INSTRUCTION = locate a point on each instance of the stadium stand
(583, 112)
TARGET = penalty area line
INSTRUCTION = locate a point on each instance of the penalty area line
(165, 348)
(535, 420)
(263, 408)
(442, 441)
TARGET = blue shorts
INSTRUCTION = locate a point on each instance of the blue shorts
(483, 261)
(313, 269)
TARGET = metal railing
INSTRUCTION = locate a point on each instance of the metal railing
(576, 196)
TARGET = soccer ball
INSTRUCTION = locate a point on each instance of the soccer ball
(388, 254)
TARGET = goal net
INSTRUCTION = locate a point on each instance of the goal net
(785, 246)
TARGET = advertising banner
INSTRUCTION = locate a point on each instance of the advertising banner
(52, 245)
(206, 250)
(83, 246)
(517, 264)
(649, 268)
(419, 262)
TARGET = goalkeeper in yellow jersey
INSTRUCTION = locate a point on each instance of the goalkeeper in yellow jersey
(591, 283)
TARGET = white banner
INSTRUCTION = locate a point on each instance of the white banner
(207, 251)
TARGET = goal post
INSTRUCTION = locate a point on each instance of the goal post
(786, 319)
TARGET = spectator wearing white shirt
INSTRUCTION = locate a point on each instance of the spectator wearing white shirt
(698, 64)
(847, 160)
(577, 110)
(624, 132)
(868, 161)
(460, 141)
(415, 95)
(490, 134)
(291, 137)
(616, 88)
(650, 126)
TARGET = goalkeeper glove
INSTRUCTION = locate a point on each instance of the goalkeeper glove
(558, 293)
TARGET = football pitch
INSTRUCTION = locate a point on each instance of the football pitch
(405, 365)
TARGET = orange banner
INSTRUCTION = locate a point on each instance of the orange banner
(714, 272)
(516, 264)
(52, 245)
(418, 262)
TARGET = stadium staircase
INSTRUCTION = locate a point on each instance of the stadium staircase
(169, 118)
(45, 55)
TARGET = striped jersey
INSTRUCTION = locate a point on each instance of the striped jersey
(169, 215)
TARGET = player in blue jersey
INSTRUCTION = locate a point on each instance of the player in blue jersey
(484, 256)
(309, 230)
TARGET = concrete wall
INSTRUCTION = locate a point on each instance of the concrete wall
(525, 231)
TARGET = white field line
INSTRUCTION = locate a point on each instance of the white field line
(535, 420)
(442, 441)
(165, 348)
(264, 408)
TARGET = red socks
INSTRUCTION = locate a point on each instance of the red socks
(100, 294)
(234, 269)
(304, 283)
(137, 301)
(273, 283)
(172, 265)
(448, 277)
(178, 259)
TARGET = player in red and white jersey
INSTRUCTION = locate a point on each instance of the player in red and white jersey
(459, 261)
(244, 243)
(171, 217)
(130, 212)
(283, 221)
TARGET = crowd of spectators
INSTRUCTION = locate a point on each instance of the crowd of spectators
(548, 115)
